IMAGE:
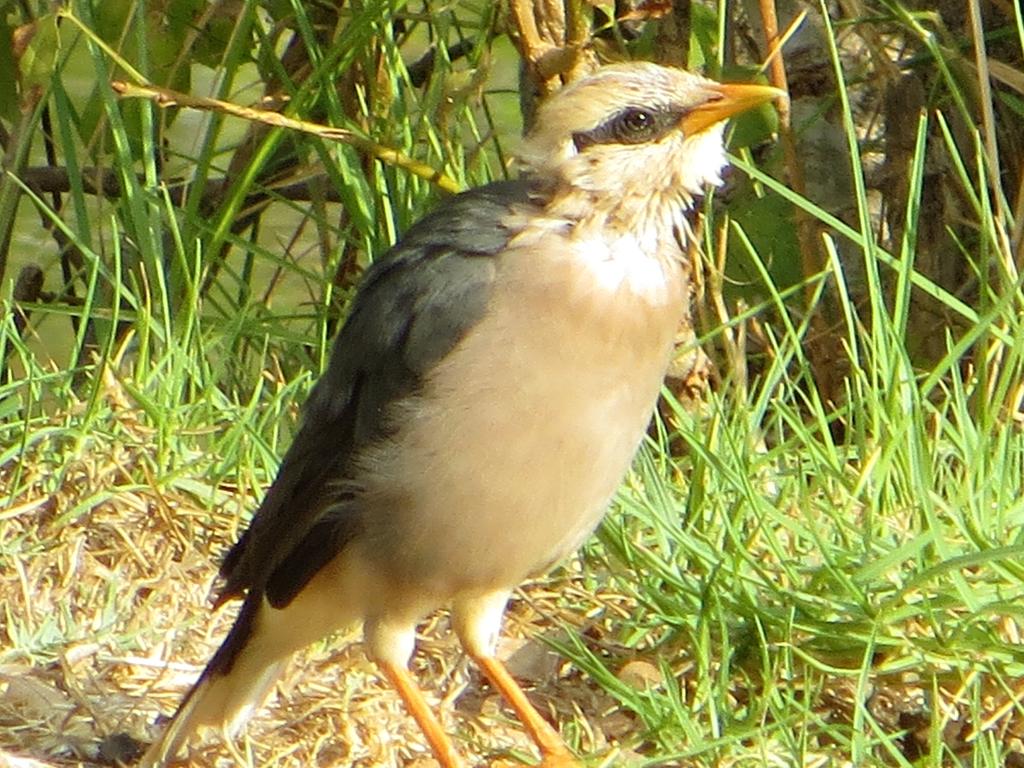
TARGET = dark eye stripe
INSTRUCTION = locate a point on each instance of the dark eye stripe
(633, 125)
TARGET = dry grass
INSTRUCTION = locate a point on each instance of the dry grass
(105, 580)
(106, 587)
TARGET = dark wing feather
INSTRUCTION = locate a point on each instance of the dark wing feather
(413, 306)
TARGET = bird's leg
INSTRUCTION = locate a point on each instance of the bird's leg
(438, 740)
(553, 752)
(477, 620)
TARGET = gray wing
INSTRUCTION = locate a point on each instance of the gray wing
(413, 306)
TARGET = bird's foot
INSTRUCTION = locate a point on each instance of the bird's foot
(549, 761)
(558, 758)
(559, 761)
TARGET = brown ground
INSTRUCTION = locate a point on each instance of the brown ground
(104, 623)
(113, 578)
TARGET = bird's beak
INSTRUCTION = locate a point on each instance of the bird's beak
(725, 101)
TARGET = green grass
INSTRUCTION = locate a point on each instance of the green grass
(837, 583)
(803, 582)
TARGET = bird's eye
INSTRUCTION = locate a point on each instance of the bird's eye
(635, 125)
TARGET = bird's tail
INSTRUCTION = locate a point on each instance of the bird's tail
(216, 701)
(256, 650)
(234, 683)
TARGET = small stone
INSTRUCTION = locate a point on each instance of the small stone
(640, 675)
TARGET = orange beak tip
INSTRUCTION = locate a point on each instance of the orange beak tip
(728, 100)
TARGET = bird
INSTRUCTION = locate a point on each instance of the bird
(483, 400)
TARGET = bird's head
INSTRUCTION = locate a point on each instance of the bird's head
(636, 130)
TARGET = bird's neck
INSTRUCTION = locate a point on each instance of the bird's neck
(657, 219)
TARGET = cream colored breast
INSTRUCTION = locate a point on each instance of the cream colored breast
(529, 424)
